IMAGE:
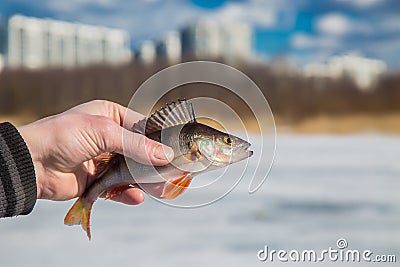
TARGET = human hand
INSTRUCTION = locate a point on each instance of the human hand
(63, 148)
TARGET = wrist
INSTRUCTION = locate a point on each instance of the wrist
(27, 135)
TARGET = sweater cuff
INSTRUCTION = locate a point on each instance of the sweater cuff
(17, 173)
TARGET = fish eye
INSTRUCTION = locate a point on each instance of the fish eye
(228, 140)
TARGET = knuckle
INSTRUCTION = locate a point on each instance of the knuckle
(140, 147)
(137, 143)
(109, 134)
(100, 102)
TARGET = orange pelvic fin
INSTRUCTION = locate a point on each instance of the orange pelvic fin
(116, 191)
(80, 214)
(176, 187)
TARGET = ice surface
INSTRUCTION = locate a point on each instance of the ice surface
(321, 188)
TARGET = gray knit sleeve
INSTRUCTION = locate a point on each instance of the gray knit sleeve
(18, 189)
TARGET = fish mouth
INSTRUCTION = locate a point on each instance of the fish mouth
(239, 152)
(244, 147)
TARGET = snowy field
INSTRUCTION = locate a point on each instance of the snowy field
(321, 188)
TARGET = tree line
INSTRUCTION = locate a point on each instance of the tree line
(292, 96)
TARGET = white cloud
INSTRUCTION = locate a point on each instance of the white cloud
(302, 41)
(336, 24)
(306, 41)
(250, 14)
(339, 25)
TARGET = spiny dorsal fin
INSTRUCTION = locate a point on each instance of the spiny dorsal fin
(175, 113)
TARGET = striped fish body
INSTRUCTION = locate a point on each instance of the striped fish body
(197, 147)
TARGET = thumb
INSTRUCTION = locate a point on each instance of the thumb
(135, 146)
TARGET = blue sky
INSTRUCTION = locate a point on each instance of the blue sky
(301, 30)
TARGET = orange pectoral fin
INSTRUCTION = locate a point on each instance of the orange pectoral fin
(176, 187)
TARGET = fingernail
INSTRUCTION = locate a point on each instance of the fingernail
(164, 153)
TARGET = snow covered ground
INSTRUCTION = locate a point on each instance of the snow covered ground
(321, 188)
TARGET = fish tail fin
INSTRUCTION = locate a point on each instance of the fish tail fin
(80, 214)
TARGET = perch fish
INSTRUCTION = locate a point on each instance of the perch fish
(198, 148)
